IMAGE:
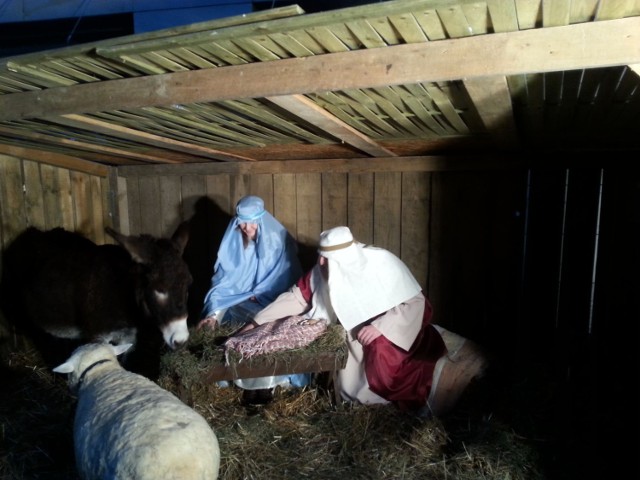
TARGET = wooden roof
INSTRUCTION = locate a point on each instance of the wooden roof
(387, 80)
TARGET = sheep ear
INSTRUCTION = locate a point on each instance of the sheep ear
(66, 367)
(120, 349)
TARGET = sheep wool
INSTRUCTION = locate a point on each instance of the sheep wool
(128, 427)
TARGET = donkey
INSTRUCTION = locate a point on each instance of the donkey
(62, 289)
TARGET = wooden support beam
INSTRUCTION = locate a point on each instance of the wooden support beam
(585, 45)
(56, 159)
(118, 131)
(302, 107)
(492, 99)
(88, 147)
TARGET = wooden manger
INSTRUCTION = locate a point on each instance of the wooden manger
(204, 360)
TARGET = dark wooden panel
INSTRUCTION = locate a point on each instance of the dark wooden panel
(170, 205)
(545, 224)
(309, 201)
(387, 211)
(262, 186)
(194, 187)
(97, 212)
(66, 199)
(150, 206)
(34, 202)
(83, 207)
(12, 202)
(52, 196)
(133, 206)
(360, 206)
(334, 200)
(219, 190)
(284, 200)
(414, 244)
(240, 186)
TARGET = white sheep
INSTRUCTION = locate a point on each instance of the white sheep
(128, 427)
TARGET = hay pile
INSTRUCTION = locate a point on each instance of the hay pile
(302, 434)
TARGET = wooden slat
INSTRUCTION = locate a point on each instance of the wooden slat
(477, 16)
(584, 11)
(170, 204)
(219, 190)
(262, 366)
(108, 207)
(337, 165)
(84, 145)
(239, 188)
(387, 211)
(360, 206)
(414, 248)
(149, 200)
(34, 202)
(503, 15)
(133, 206)
(492, 98)
(587, 45)
(431, 25)
(56, 159)
(449, 112)
(66, 199)
(308, 200)
(12, 203)
(82, 208)
(262, 186)
(304, 108)
(51, 196)
(334, 200)
(122, 204)
(284, 201)
(193, 188)
(39, 63)
(97, 212)
(107, 128)
(408, 28)
(529, 13)
(555, 13)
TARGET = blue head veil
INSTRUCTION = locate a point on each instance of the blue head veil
(265, 269)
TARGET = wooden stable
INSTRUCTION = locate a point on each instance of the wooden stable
(492, 145)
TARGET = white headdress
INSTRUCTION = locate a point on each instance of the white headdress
(364, 281)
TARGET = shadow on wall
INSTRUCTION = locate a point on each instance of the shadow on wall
(308, 255)
(207, 227)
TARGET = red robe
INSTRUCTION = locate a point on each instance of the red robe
(399, 376)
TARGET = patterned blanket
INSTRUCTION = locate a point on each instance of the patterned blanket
(284, 334)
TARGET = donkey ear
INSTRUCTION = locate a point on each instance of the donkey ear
(181, 235)
(136, 246)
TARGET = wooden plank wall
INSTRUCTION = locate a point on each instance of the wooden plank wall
(33, 193)
(442, 224)
(36, 194)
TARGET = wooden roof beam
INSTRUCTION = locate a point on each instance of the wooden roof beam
(80, 146)
(579, 46)
(55, 159)
(302, 107)
(492, 99)
(118, 131)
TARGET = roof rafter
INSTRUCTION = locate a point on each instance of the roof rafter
(579, 46)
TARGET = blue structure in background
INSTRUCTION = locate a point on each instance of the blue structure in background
(37, 25)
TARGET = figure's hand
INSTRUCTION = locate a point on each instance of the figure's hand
(368, 334)
(209, 322)
(248, 326)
